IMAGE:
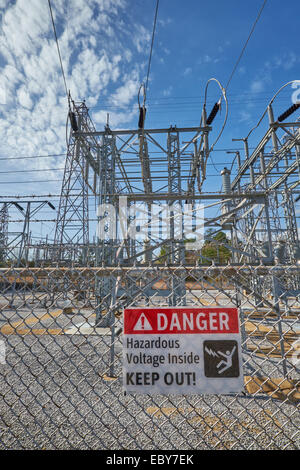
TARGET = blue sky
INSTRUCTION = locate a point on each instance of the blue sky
(105, 49)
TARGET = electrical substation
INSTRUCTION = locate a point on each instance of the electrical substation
(141, 225)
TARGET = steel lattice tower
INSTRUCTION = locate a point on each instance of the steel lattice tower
(3, 232)
(72, 228)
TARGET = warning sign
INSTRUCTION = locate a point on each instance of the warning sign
(182, 350)
(142, 324)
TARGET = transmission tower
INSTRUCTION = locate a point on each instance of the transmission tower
(3, 232)
(71, 238)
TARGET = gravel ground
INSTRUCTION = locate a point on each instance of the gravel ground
(54, 395)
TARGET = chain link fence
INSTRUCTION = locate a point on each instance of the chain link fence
(61, 332)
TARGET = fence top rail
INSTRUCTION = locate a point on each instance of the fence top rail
(226, 269)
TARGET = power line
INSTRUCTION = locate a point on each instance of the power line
(58, 50)
(190, 101)
(31, 182)
(8, 158)
(136, 162)
(245, 45)
(151, 48)
(251, 96)
(30, 171)
(33, 156)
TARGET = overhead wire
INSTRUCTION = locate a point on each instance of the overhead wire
(144, 87)
(245, 45)
(33, 156)
(151, 48)
(159, 105)
(128, 162)
(58, 50)
(223, 95)
(224, 90)
(270, 102)
(30, 171)
(207, 121)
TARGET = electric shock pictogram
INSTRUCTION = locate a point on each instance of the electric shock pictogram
(221, 358)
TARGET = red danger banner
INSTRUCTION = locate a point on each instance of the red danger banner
(181, 320)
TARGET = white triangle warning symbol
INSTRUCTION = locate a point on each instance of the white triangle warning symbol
(142, 323)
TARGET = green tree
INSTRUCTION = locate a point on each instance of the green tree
(214, 248)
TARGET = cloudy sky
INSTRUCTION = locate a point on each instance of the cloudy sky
(105, 48)
(103, 60)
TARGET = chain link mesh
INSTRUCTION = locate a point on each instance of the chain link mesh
(61, 359)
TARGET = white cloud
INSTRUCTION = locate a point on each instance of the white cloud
(164, 22)
(264, 77)
(209, 59)
(124, 93)
(290, 61)
(168, 91)
(24, 98)
(116, 120)
(100, 44)
(244, 116)
(257, 86)
(187, 71)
